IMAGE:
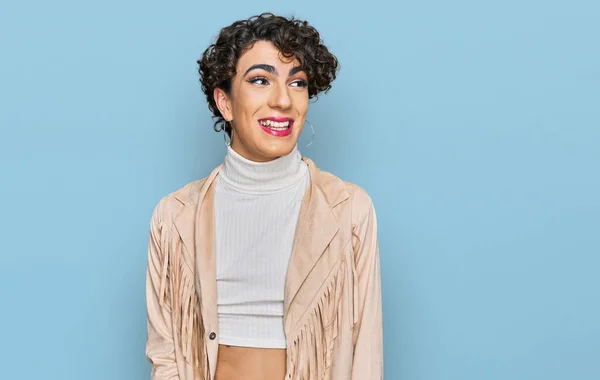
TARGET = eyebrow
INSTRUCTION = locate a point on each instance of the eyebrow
(271, 69)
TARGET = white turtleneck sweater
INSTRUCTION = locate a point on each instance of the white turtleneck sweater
(256, 211)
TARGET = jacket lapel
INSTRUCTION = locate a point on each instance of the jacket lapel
(206, 280)
(189, 221)
(195, 225)
(317, 226)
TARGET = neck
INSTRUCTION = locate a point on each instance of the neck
(262, 177)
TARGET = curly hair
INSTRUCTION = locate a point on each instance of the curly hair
(293, 38)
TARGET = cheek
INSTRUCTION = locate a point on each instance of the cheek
(242, 102)
(248, 105)
(301, 103)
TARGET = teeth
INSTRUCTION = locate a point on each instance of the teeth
(275, 125)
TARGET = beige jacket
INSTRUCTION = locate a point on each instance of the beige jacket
(332, 304)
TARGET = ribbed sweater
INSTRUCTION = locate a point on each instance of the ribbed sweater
(256, 210)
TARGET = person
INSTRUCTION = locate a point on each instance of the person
(268, 268)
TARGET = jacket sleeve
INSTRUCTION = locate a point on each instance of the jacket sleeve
(160, 345)
(368, 330)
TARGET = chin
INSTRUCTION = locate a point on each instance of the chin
(262, 148)
(273, 151)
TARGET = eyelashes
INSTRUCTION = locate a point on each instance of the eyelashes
(300, 83)
(262, 81)
(258, 80)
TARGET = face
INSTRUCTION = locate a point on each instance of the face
(267, 103)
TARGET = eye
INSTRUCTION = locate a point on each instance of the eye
(258, 80)
(299, 83)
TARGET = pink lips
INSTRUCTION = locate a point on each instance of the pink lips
(278, 133)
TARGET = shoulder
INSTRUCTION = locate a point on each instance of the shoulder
(358, 195)
(170, 206)
(335, 187)
(341, 191)
(361, 203)
(356, 203)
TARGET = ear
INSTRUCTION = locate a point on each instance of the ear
(223, 103)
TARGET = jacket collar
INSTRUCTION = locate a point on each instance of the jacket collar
(196, 221)
(317, 226)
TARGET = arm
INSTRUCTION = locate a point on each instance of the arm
(160, 345)
(368, 330)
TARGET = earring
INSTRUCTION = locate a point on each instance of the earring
(225, 136)
(313, 133)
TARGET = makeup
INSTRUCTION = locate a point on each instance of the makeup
(277, 126)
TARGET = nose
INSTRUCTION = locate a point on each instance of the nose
(280, 97)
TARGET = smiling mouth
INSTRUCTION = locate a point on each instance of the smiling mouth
(276, 125)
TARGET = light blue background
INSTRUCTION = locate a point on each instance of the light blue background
(474, 125)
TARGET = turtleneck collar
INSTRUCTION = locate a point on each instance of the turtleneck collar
(262, 177)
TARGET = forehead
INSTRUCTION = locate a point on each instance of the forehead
(264, 52)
